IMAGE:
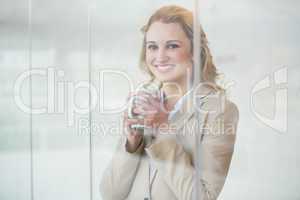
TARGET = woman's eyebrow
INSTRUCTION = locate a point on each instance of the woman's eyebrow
(170, 41)
(150, 42)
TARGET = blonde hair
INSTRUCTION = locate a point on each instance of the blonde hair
(184, 17)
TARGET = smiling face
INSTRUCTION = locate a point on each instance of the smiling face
(168, 52)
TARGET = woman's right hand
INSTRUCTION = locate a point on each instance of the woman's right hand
(134, 137)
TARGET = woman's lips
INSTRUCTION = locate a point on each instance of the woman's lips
(164, 68)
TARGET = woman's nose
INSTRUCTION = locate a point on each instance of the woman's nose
(162, 55)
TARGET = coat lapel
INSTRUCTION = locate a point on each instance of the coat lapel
(187, 110)
(195, 100)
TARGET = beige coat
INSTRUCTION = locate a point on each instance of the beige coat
(213, 123)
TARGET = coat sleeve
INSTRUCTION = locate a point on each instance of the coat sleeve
(217, 148)
(118, 177)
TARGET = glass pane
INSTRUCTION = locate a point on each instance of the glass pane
(254, 46)
(254, 51)
(60, 99)
(116, 47)
(14, 122)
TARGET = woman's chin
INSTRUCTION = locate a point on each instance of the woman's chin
(166, 79)
(163, 78)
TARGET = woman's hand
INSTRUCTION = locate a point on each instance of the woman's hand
(154, 115)
(152, 108)
(134, 137)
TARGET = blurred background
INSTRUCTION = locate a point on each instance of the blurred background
(50, 153)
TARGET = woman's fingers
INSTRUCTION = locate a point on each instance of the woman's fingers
(131, 122)
(149, 106)
(130, 95)
(146, 100)
(145, 109)
(153, 105)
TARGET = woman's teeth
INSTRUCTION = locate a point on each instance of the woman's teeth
(164, 68)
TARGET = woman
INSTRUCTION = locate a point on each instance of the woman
(198, 122)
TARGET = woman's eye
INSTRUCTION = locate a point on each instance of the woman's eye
(172, 46)
(152, 47)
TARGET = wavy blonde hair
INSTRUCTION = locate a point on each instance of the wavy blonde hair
(184, 17)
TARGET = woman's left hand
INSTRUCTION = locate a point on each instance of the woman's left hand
(152, 108)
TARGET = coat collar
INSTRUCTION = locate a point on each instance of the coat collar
(196, 98)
